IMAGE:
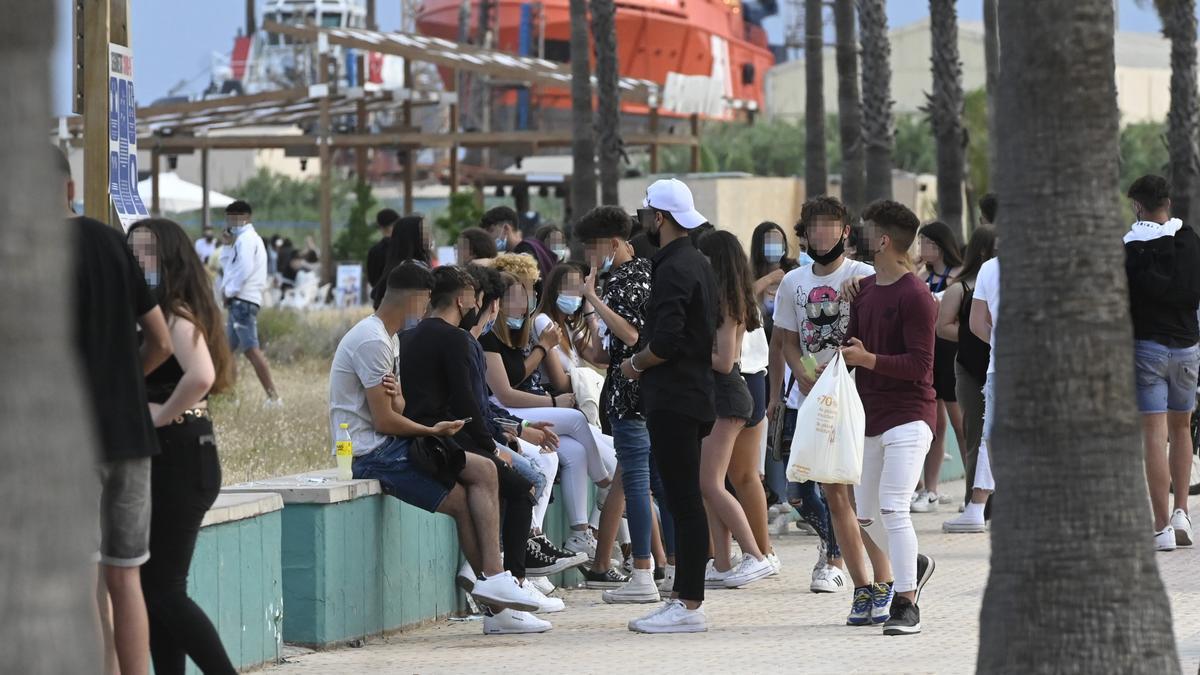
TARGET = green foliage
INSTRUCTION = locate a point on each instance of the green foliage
(356, 238)
(1143, 151)
(462, 212)
(279, 198)
(975, 121)
(915, 149)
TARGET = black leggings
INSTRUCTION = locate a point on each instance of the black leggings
(186, 478)
(516, 515)
(675, 442)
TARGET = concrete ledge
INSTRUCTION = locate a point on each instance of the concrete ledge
(314, 487)
(230, 507)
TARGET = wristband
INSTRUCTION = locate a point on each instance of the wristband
(524, 424)
(544, 352)
(633, 364)
(587, 314)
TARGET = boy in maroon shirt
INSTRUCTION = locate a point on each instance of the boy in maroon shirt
(890, 342)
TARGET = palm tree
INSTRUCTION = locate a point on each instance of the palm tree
(849, 106)
(1073, 588)
(944, 107)
(608, 98)
(991, 58)
(45, 565)
(816, 180)
(876, 97)
(1179, 26)
(583, 145)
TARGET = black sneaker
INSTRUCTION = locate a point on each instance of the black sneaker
(609, 578)
(925, 567)
(540, 563)
(660, 573)
(557, 552)
(905, 618)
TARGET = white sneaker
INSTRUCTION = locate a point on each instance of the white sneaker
(466, 577)
(779, 524)
(1183, 528)
(822, 556)
(639, 589)
(776, 563)
(582, 541)
(546, 605)
(829, 579)
(502, 591)
(674, 617)
(273, 403)
(750, 570)
(512, 622)
(714, 578)
(926, 502)
(668, 582)
(543, 584)
(1165, 540)
(964, 524)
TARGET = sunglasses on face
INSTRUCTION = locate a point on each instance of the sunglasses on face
(829, 308)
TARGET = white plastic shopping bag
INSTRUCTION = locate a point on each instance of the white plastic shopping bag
(828, 444)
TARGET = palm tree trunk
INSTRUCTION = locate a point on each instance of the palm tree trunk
(944, 108)
(816, 180)
(608, 98)
(583, 144)
(877, 97)
(849, 107)
(1073, 588)
(47, 601)
(991, 58)
(1179, 25)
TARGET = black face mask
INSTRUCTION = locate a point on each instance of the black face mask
(833, 254)
(469, 319)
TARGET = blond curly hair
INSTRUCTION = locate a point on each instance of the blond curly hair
(521, 266)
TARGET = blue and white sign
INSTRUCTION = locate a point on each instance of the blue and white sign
(122, 138)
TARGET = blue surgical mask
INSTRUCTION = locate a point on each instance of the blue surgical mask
(569, 304)
(773, 252)
(532, 305)
(488, 327)
(152, 279)
(501, 244)
(561, 252)
(607, 264)
(514, 322)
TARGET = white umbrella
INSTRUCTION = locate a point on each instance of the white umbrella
(176, 195)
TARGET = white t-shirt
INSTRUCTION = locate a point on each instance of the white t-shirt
(568, 358)
(987, 288)
(205, 249)
(756, 353)
(363, 357)
(812, 306)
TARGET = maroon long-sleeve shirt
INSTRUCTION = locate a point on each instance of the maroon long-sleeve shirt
(896, 323)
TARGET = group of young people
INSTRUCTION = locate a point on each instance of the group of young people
(473, 389)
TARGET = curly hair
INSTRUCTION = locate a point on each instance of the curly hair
(817, 207)
(523, 267)
(896, 220)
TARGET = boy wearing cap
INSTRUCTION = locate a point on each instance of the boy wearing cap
(675, 370)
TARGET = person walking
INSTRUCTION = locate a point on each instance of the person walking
(243, 283)
(186, 477)
(675, 370)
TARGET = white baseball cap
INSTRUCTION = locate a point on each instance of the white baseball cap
(672, 196)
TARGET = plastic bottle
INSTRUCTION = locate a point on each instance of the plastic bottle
(345, 453)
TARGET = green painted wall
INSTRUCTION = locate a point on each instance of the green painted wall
(236, 579)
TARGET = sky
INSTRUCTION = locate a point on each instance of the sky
(174, 40)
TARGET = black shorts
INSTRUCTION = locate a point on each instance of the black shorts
(944, 354)
(757, 384)
(732, 396)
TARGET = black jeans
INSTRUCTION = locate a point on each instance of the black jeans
(516, 514)
(186, 478)
(675, 442)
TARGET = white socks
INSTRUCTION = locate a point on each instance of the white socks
(974, 512)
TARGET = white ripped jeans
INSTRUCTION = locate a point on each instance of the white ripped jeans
(892, 465)
(547, 464)
(583, 453)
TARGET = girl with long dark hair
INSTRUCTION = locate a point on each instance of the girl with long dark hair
(737, 313)
(410, 240)
(941, 257)
(186, 476)
(970, 368)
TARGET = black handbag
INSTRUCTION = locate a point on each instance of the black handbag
(775, 429)
(439, 456)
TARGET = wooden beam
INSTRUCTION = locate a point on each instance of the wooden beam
(96, 202)
(360, 125)
(695, 125)
(204, 215)
(326, 197)
(155, 162)
(654, 146)
(410, 139)
(452, 85)
(410, 159)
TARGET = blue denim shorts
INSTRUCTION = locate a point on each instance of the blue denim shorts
(1166, 377)
(757, 384)
(242, 326)
(399, 477)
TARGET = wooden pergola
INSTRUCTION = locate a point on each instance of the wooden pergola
(183, 128)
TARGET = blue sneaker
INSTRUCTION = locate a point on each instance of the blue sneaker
(881, 602)
(860, 610)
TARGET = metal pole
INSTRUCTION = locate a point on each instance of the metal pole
(409, 152)
(155, 160)
(326, 198)
(96, 26)
(654, 145)
(360, 154)
(453, 85)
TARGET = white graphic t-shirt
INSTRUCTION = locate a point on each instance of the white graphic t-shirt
(812, 306)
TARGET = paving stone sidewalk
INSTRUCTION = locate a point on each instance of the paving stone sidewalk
(774, 626)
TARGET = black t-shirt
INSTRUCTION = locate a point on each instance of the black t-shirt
(110, 295)
(376, 261)
(514, 364)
